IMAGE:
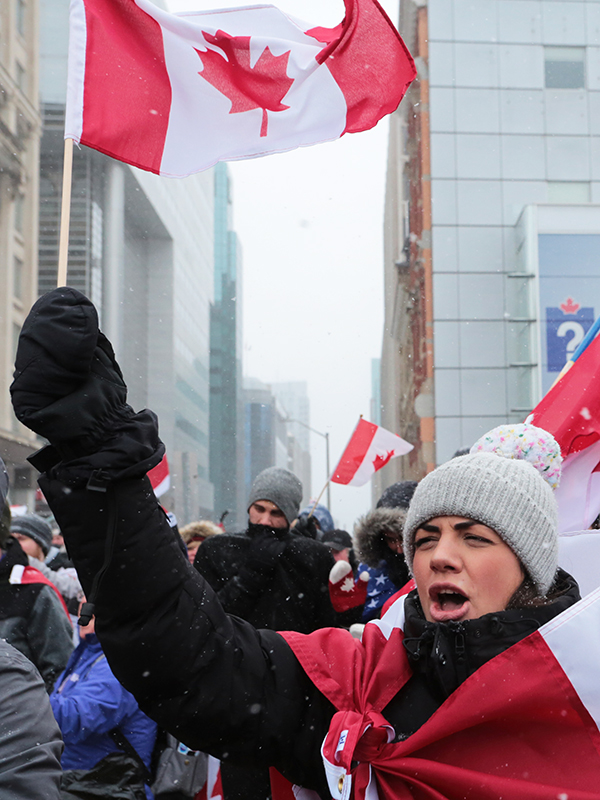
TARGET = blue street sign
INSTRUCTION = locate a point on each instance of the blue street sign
(565, 328)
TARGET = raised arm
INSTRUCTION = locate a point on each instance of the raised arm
(212, 680)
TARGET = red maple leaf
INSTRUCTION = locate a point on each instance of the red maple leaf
(381, 461)
(262, 86)
(570, 307)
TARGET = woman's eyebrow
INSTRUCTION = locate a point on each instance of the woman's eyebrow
(429, 528)
(461, 526)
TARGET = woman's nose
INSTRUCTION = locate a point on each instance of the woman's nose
(445, 556)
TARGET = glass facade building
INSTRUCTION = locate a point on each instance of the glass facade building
(504, 117)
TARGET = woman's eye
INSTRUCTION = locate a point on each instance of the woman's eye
(424, 541)
(477, 539)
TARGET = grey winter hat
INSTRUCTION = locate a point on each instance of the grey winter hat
(506, 494)
(36, 528)
(279, 486)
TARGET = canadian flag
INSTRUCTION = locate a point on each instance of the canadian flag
(369, 449)
(175, 93)
(524, 726)
(160, 477)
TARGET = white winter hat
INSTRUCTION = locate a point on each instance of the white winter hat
(506, 494)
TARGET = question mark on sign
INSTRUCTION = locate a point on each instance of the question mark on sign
(576, 328)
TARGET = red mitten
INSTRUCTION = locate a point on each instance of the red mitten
(344, 591)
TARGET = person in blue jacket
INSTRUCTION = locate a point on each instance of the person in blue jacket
(89, 702)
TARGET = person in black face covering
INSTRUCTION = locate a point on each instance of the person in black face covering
(268, 575)
(271, 577)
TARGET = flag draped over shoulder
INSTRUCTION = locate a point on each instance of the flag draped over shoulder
(570, 411)
(524, 726)
(175, 93)
(370, 448)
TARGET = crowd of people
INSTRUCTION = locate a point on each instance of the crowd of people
(289, 660)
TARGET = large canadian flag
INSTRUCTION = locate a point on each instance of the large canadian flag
(175, 93)
(369, 449)
(524, 726)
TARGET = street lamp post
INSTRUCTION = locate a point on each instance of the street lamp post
(326, 437)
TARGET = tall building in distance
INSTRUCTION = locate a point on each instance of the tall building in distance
(492, 217)
(20, 129)
(293, 396)
(226, 389)
(142, 248)
(268, 437)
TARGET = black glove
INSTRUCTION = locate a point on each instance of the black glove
(69, 388)
(306, 526)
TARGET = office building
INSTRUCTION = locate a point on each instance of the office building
(226, 389)
(268, 439)
(20, 129)
(492, 217)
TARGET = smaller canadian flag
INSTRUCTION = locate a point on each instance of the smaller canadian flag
(369, 449)
(160, 477)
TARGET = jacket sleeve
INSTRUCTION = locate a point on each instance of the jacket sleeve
(30, 745)
(210, 679)
(96, 704)
(50, 636)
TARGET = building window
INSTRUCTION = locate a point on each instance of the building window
(564, 67)
(20, 77)
(568, 192)
(15, 342)
(19, 213)
(18, 279)
(21, 17)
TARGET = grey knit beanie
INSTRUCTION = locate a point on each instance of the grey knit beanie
(506, 494)
(36, 528)
(279, 486)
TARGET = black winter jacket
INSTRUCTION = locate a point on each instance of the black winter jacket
(213, 680)
(287, 593)
(32, 618)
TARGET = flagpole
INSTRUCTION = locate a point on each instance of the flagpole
(65, 214)
(318, 498)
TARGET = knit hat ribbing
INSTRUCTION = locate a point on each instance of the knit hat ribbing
(279, 486)
(505, 494)
(36, 528)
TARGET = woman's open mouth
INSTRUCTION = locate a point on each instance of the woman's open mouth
(448, 602)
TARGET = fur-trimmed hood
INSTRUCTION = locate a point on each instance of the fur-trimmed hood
(369, 544)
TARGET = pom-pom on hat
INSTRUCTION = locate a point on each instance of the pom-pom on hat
(526, 443)
(506, 494)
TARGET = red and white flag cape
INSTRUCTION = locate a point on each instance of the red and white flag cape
(175, 93)
(524, 726)
(570, 411)
(370, 448)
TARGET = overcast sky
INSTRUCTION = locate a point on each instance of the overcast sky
(311, 227)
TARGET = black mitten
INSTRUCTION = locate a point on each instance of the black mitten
(69, 388)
